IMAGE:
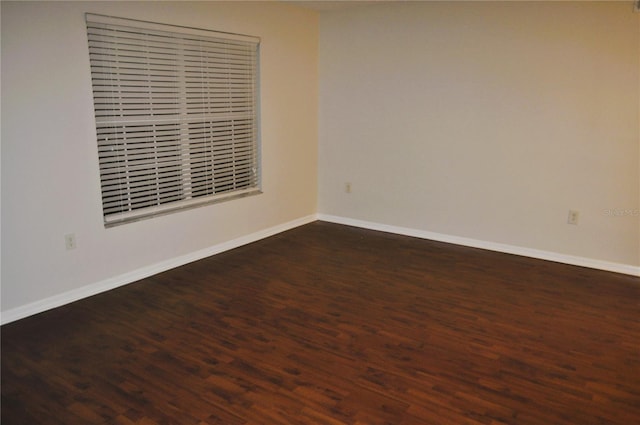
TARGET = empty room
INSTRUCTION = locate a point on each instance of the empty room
(289, 212)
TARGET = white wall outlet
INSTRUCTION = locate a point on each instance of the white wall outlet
(70, 241)
(573, 217)
(347, 187)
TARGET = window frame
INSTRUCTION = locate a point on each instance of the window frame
(199, 147)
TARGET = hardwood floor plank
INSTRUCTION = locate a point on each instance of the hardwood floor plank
(328, 324)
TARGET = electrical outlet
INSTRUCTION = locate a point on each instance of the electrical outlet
(347, 187)
(573, 217)
(70, 241)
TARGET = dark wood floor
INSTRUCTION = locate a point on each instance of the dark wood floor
(328, 324)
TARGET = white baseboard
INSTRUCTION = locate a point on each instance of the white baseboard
(491, 246)
(124, 279)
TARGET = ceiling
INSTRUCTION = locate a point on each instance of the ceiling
(323, 6)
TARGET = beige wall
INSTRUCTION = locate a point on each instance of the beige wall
(50, 184)
(485, 120)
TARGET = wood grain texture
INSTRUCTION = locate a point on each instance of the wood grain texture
(328, 324)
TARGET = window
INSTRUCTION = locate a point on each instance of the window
(176, 116)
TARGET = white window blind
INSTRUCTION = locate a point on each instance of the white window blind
(176, 116)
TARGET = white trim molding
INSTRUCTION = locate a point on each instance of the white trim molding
(133, 276)
(136, 275)
(491, 246)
